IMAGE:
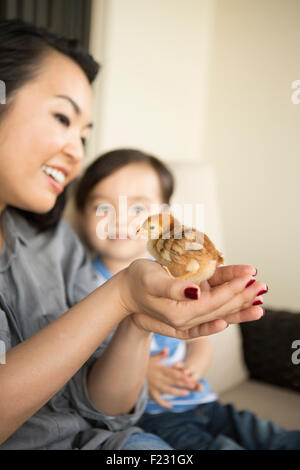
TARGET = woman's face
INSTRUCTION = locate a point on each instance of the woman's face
(130, 194)
(44, 129)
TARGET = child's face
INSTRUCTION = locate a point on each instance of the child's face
(139, 183)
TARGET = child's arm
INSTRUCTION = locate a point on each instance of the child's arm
(117, 376)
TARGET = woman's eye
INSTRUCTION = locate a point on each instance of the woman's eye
(63, 119)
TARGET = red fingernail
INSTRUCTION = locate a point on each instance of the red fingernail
(257, 302)
(250, 283)
(264, 291)
(191, 293)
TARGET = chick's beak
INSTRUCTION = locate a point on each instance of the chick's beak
(143, 230)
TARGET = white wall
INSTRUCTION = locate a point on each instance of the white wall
(153, 85)
(252, 138)
(210, 81)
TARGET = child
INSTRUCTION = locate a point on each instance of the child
(151, 183)
(182, 408)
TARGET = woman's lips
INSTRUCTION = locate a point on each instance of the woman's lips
(58, 187)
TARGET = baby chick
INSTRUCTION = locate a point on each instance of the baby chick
(184, 252)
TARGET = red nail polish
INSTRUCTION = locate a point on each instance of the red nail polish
(264, 291)
(191, 293)
(250, 283)
(257, 302)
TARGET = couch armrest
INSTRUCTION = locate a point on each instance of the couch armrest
(267, 348)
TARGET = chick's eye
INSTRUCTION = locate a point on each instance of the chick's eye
(84, 141)
(152, 227)
(64, 120)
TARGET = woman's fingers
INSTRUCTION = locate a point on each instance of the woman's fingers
(160, 284)
(185, 315)
(204, 286)
(227, 273)
(230, 298)
(240, 301)
(216, 326)
(248, 314)
(207, 329)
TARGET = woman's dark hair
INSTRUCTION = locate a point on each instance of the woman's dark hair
(23, 47)
(112, 161)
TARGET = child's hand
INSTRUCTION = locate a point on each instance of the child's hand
(191, 374)
(166, 379)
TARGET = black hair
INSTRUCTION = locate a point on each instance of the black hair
(112, 161)
(23, 47)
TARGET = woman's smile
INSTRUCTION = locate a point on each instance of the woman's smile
(56, 176)
(57, 186)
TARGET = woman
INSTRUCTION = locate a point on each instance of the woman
(56, 386)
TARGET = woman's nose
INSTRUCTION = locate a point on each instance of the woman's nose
(75, 149)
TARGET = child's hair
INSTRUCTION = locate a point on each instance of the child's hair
(23, 47)
(112, 161)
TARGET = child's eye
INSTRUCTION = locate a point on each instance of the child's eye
(63, 119)
(103, 207)
(138, 208)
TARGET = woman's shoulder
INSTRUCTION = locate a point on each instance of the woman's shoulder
(57, 253)
(59, 243)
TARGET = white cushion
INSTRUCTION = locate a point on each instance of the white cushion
(228, 368)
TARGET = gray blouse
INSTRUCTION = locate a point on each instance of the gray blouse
(41, 277)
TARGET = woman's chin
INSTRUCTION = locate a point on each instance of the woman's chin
(39, 207)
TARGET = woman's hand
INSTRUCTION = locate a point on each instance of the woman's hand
(166, 379)
(158, 303)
